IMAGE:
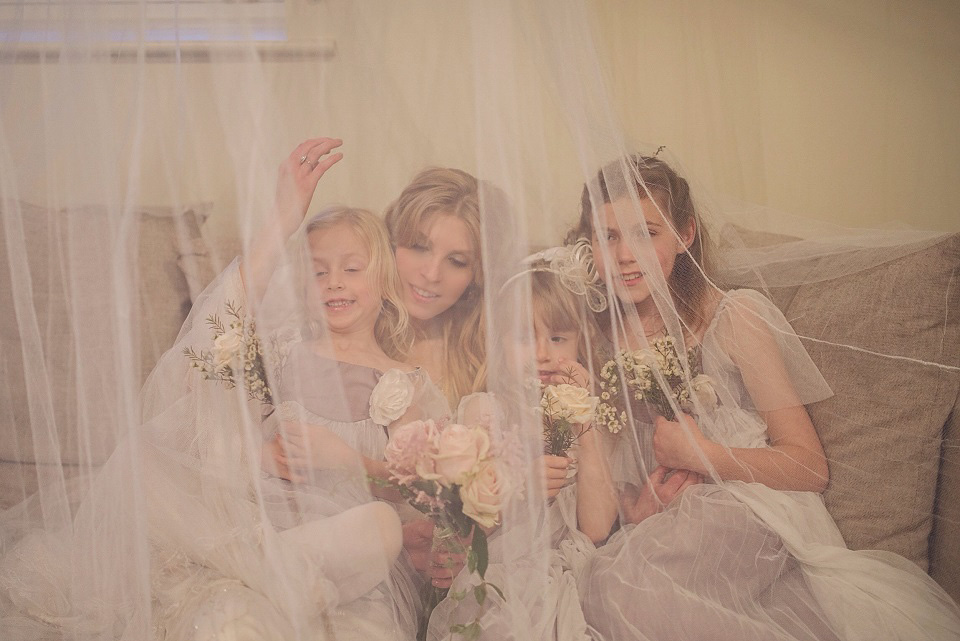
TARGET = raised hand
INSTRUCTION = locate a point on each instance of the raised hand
(296, 183)
(297, 180)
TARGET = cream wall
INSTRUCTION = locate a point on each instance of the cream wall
(845, 112)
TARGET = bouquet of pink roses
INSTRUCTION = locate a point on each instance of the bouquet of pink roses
(454, 474)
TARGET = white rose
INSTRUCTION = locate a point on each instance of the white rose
(485, 494)
(646, 356)
(574, 403)
(703, 391)
(459, 451)
(391, 397)
(227, 347)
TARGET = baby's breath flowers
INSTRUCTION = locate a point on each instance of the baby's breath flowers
(236, 357)
(644, 393)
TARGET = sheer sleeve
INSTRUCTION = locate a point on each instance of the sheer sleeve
(750, 340)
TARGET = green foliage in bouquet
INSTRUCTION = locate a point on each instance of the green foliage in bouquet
(236, 357)
(567, 412)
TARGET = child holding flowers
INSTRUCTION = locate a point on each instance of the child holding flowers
(236, 506)
(337, 392)
(539, 589)
(342, 393)
(711, 386)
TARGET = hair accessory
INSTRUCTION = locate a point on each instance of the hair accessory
(659, 149)
(574, 265)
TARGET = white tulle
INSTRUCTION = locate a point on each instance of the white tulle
(235, 552)
(132, 172)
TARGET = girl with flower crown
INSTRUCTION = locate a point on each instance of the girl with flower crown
(540, 598)
(751, 552)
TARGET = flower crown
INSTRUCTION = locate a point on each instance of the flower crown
(574, 265)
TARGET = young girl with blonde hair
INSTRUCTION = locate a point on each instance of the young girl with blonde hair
(342, 387)
(555, 349)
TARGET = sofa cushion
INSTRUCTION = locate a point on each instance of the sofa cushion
(882, 430)
(63, 292)
(945, 538)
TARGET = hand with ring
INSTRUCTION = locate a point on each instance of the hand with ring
(298, 178)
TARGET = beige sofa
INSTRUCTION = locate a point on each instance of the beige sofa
(891, 432)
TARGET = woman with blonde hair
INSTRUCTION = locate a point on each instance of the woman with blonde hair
(435, 228)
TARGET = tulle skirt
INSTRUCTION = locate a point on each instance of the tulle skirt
(315, 564)
(741, 561)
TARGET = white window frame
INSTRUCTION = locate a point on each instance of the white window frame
(163, 30)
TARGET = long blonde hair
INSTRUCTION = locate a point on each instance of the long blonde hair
(392, 328)
(454, 192)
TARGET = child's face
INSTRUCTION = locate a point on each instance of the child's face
(552, 348)
(611, 250)
(339, 293)
(437, 269)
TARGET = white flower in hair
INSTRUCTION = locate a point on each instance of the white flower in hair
(574, 265)
(391, 397)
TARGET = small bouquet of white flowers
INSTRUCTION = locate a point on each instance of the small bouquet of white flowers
(455, 475)
(568, 411)
(644, 393)
(236, 357)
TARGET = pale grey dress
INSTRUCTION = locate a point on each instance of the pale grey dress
(337, 396)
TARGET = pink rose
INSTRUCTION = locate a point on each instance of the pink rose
(484, 495)
(408, 445)
(459, 450)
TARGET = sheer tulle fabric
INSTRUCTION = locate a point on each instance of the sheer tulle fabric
(144, 511)
(735, 560)
(232, 549)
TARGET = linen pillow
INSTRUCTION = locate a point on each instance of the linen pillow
(61, 333)
(882, 430)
